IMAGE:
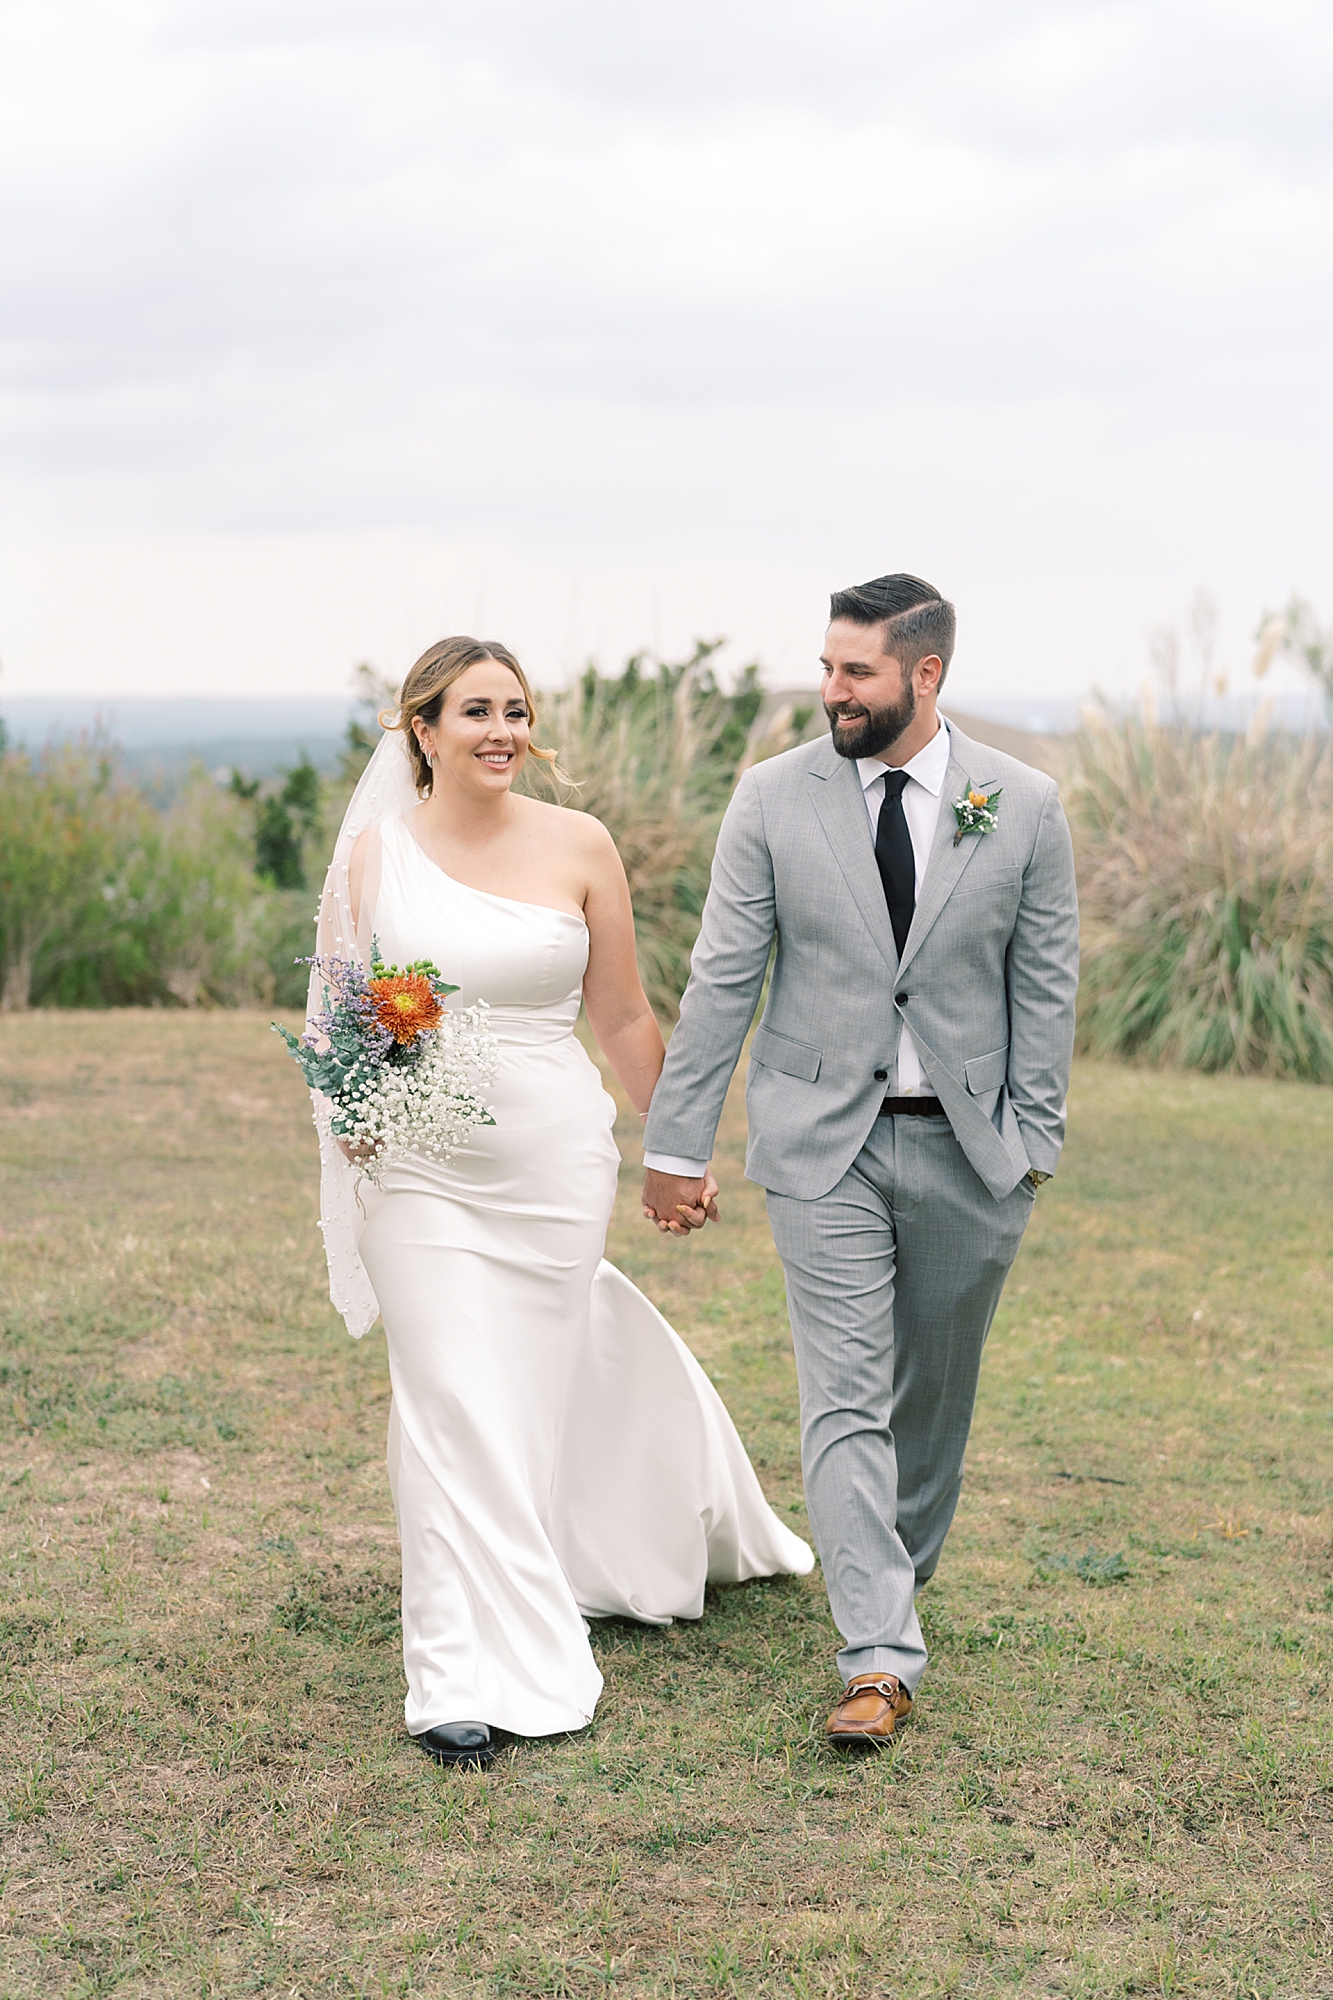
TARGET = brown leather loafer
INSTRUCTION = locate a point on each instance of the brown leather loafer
(870, 1710)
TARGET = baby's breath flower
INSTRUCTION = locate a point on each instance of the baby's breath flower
(429, 1105)
(975, 812)
(384, 1091)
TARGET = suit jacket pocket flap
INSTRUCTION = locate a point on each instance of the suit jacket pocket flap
(792, 1058)
(987, 1072)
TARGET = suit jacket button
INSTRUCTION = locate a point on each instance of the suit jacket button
(900, 999)
(881, 1076)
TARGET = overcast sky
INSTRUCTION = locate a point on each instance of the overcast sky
(330, 326)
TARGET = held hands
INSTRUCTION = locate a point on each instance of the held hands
(677, 1206)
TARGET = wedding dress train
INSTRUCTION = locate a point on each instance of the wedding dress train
(555, 1451)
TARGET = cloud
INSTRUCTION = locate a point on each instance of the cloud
(625, 285)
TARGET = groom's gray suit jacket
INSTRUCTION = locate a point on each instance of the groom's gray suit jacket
(986, 982)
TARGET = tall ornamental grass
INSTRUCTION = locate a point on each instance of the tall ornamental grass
(655, 757)
(1205, 868)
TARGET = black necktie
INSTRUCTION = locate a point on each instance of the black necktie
(897, 863)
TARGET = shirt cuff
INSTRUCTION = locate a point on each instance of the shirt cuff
(667, 1163)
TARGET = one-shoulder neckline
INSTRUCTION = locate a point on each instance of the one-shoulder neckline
(514, 902)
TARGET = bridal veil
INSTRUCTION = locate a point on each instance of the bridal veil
(385, 789)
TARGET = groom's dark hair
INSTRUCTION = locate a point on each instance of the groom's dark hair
(917, 620)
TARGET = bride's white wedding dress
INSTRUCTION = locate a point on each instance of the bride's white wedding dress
(555, 1450)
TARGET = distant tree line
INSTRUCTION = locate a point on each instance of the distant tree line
(107, 899)
(1205, 861)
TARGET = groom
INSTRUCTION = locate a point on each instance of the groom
(906, 1091)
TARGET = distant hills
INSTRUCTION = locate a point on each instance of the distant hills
(262, 735)
(161, 738)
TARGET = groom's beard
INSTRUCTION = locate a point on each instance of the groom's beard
(870, 730)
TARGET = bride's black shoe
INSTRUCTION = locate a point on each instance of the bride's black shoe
(466, 1743)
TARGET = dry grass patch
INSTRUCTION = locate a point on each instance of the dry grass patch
(1118, 1779)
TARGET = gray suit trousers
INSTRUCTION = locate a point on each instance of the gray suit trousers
(893, 1278)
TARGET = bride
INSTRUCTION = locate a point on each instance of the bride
(555, 1452)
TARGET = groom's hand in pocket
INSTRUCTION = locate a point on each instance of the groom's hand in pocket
(677, 1206)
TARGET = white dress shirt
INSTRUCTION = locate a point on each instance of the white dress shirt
(921, 809)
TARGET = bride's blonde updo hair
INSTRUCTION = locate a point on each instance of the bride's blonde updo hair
(430, 680)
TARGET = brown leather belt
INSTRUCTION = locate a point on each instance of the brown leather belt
(912, 1107)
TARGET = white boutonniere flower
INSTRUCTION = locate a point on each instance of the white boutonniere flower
(975, 812)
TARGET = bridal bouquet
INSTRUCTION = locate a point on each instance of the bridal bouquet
(400, 1072)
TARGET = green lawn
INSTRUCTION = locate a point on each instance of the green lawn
(1118, 1776)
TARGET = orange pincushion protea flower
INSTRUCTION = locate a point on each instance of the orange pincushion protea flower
(405, 1004)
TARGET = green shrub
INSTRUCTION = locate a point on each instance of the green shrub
(286, 819)
(282, 933)
(105, 901)
(67, 825)
(1206, 889)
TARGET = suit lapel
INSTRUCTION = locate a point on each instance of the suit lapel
(947, 862)
(837, 797)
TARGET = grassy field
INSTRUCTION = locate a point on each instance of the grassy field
(1118, 1778)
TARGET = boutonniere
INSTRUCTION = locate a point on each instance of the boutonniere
(975, 812)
